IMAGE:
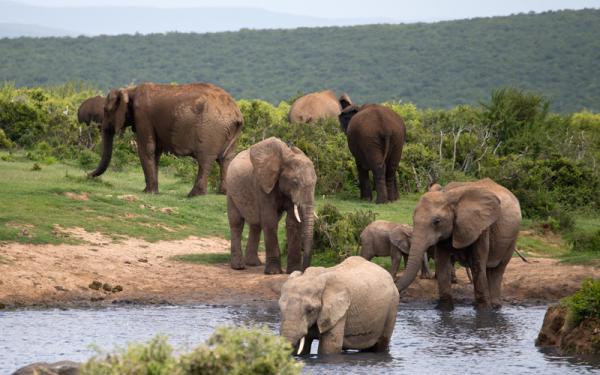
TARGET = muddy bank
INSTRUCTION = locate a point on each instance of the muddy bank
(104, 272)
(559, 333)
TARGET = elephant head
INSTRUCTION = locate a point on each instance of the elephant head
(460, 214)
(309, 301)
(114, 121)
(288, 168)
(345, 100)
(400, 238)
(347, 113)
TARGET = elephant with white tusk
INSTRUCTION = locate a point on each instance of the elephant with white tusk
(349, 306)
(265, 181)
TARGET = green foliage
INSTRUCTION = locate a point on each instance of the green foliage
(338, 234)
(438, 65)
(234, 351)
(583, 241)
(204, 258)
(585, 303)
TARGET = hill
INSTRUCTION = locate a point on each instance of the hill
(434, 65)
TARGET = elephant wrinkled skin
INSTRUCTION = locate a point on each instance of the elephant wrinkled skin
(265, 181)
(91, 110)
(478, 223)
(198, 119)
(376, 136)
(317, 105)
(349, 306)
(384, 238)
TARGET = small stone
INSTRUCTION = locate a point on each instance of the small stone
(167, 210)
(24, 232)
(128, 197)
(127, 262)
(117, 289)
(93, 249)
(107, 287)
(96, 285)
(2, 306)
(143, 260)
(60, 288)
(96, 299)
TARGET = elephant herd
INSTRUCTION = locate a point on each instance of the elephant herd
(352, 305)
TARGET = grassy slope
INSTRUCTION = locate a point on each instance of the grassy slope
(34, 201)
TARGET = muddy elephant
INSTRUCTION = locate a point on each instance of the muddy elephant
(376, 135)
(199, 120)
(384, 238)
(477, 222)
(349, 306)
(265, 181)
(317, 105)
(91, 110)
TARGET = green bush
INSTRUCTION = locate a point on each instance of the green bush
(585, 303)
(337, 234)
(584, 241)
(228, 351)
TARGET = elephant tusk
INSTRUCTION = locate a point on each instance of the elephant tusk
(301, 345)
(297, 214)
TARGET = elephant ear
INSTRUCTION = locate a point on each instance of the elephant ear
(400, 239)
(345, 100)
(475, 210)
(347, 115)
(120, 108)
(335, 302)
(266, 158)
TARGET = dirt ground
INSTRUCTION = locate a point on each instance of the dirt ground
(62, 275)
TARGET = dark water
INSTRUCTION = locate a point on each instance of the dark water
(425, 341)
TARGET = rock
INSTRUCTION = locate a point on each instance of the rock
(143, 260)
(60, 288)
(167, 210)
(2, 306)
(128, 197)
(43, 368)
(117, 289)
(96, 299)
(107, 287)
(96, 285)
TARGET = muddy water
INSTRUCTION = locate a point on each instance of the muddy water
(425, 341)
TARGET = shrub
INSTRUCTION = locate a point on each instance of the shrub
(585, 303)
(228, 351)
(584, 241)
(339, 234)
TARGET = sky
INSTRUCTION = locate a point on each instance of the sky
(404, 10)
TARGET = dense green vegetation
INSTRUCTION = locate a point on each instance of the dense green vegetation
(433, 65)
(235, 351)
(584, 304)
(548, 160)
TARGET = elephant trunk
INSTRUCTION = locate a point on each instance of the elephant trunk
(291, 331)
(415, 260)
(307, 234)
(108, 136)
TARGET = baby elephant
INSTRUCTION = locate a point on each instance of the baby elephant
(349, 306)
(384, 238)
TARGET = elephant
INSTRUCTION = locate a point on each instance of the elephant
(478, 222)
(265, 181)
(384, 238)
(317, 105)
(352, 305)
(198, 119)
(91, 110)
(376, 135)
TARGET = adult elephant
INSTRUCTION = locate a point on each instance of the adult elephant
(91, 110)
(317, 105)
(349, 306)
(199, 120)
(478, 223)
(265, 181)
(376, 135)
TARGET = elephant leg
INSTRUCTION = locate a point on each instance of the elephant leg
(224, 162)
(147, 152)
(364, 184)
(479, 256)
(390, 183)
(425, 272)
(236, 223)
(383, 344)
(495, 276)
(453, 278)
(202, 177)
(332, 341)
(273, 265)
(380, 186)
(252, 247)
(294, 240)
(443, 274)
(396, 256)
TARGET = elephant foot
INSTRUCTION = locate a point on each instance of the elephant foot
(253, 261)
(445, 305)
(366, 198)
(197, 192)
(483, 306)
(237, 264)
(273, 269)
(148, 190)
(427, 276)
(293, 267)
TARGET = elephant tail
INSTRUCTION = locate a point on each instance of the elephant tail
(236, 132)
(386, 147)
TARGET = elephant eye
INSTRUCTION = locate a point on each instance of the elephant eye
(435, 221)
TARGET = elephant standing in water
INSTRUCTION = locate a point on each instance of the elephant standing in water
(91, 110)
(199, 120)
(349, 306)
(263, 182)
(317, 105)
(376, 136)
(478, 223)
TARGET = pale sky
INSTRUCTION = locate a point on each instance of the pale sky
(397, 9)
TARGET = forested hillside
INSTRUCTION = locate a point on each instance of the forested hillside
(433, 65)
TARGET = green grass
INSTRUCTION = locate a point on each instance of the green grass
(33, 202)
(211, 258)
